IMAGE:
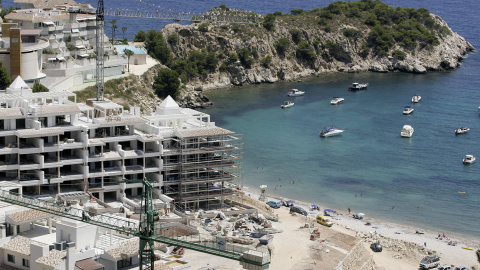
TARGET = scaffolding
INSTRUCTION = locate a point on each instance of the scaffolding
(200, 171)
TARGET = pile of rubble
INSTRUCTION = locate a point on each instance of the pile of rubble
(241, 228)
(401, 249)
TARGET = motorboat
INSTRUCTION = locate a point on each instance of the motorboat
(407, 131)
(336, 100)
(416, 98)
(330, 131)
(295, 93)
(408, 110)
(469, 159)
(358, 86)
(287, 104)
(461, 130)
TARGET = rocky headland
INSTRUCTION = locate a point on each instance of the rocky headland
(340, 44)
(363, 36)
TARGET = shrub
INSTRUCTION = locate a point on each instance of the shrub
(399, 54)
(296, 35)
(269, 22)
(172, 38)
(305, 51)
(203, 27)
(296, 11)
(245, 59)
(38, 87)
(282, 45)
(236, 28)
(166, 83)
(277, 13)
(141, 36)
(71, 47)
(327, 29)
(233, 57)
(266, 61)
(316, 44)
(224, 7)
(322, 21)
(351, 33)
(157, 47)
(332, 46)
(254, 53)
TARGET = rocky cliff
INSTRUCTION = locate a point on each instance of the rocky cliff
(335, 50)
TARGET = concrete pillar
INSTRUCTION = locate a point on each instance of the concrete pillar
(14, 229)
(134, 191)
(111, 237)
(71, 256)
(3, 231)
(49, 222)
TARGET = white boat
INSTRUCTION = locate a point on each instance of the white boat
(407, 131)
(287, 104)
(295, 93)
(469, 159)
(408, 110)
(358, 86)
(336, 100)
(461, 130)
(416, 98)
(330, 131)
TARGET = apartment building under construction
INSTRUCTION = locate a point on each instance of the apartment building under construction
(50, 144)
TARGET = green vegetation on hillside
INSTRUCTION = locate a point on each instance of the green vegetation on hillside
(374, 28)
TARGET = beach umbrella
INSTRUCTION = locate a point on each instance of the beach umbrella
(328, 210)
(360, 214)
(314, 206)
(263, 186)
(290, 201)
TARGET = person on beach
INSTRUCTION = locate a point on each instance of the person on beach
(349, 211)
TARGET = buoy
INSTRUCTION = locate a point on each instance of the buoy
(461, 192)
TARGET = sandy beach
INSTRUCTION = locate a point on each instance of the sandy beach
(384, 231)
(403, 248)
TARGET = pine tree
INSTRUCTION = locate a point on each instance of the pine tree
(5, 79)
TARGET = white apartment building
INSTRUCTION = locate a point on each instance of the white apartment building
(71, 32)
(50, 144)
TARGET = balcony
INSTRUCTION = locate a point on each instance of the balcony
(8, 149)
(67, 175)
(111, 155)
(70, 160)
(9, 165)
(133, 169)
(111, 171)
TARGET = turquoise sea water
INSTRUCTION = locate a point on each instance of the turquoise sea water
(369, 168)
(420, 176)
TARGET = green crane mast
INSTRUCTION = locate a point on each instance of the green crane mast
(144, 229)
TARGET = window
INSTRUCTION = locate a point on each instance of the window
(124, 263)
(26, 263)
(11, 258)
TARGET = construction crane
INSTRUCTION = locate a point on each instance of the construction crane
(100, 60)
(144, 229)
(101, 12)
